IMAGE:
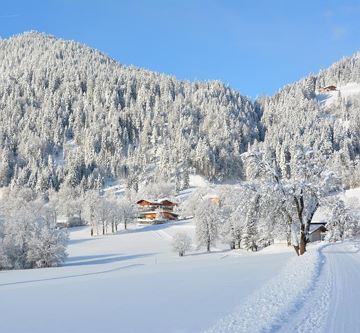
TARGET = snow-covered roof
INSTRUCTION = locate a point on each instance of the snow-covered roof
(316, 226)
(321, 215)
(158, 201)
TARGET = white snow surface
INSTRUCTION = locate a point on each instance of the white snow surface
(198, 181)
(316, 293)
(133, 282)
(276, 301)
(332, 304)
(348, 90)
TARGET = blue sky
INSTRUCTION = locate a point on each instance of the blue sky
(255, 46)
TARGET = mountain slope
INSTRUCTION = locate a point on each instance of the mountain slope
(328, 122)
(71, 114)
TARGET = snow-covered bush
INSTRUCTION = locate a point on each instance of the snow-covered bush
(181, 243)
(28, 236)
(47, 245)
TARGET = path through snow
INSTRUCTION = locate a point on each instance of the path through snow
(333, 304)
(317, 293)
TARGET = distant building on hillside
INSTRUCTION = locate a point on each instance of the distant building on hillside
(156, 211)
(327, 89)
(213, 198)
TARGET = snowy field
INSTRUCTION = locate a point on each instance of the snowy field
(133, 282)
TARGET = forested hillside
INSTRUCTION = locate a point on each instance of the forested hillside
(70, 114)
(328, 122)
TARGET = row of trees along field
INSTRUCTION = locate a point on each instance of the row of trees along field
(30, 235)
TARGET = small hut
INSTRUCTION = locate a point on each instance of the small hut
(317, 232)
(327, 89)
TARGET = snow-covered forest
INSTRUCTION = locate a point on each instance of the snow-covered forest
(71, 115)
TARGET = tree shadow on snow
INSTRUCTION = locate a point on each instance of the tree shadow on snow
(155, 227)
(72, 276)
(218, 251)
(103, 259)
(81, 240)
(90, 257)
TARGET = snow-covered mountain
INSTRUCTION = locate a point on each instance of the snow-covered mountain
(70, 114)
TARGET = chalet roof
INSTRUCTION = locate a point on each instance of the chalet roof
(321, 216)
(158, 201)
(167, 200)
(316, 226)
(328, 88)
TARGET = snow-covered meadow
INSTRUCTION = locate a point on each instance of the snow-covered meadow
(133, 282)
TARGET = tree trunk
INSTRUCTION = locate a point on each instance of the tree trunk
(302, 248)
(288, 235)
(296, 248)
(103, 228)
(125, 225)
(208, 245)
